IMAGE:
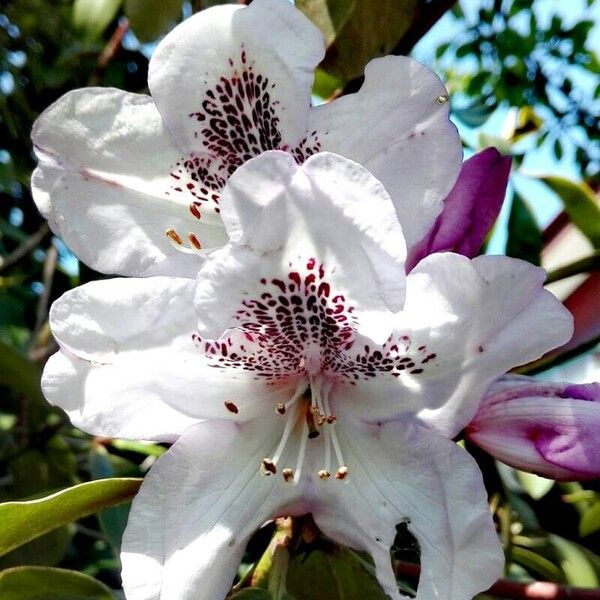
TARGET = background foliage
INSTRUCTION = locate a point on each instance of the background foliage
(60, 536)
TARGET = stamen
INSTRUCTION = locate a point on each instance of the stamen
(268, 467)
(342, 472)
(194, 241)
(174, 236)
(177, 242)
(287, 473)
(280, 408)
(324, 474)
(442, 99)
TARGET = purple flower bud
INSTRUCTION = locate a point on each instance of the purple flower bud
(470, 210)
(550, 429)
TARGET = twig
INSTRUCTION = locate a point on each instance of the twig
(30, 244)
(538, 590)
(584, 265)
(109, 52)
(47, 280)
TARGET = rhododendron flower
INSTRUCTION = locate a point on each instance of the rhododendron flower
(303, 372)
(550, 429)
(128, 180)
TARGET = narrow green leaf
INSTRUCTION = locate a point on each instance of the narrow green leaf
(92, 17)
(524, 235)
(45, 583)
(150, 19)
(574, 562)
(590, 521)
(537, 565)
(24, 521)
(580, 204)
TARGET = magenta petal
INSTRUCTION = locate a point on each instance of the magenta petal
(548, 429)
(470, 209)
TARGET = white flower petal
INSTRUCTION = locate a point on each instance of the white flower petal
(464, 324)
(197, 508)
(105, 184)
(328, 216)
(397, 126)
(129, 366)
(234, 82)
(402, 472)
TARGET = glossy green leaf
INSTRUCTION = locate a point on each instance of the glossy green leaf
(524, 235)
(364, 33)
(574, 563)
(92, 17)
(590, 521)
(150, 19)
(580, 204)
(45, 583)
(24, 521)
(336, 575)
(329, 16)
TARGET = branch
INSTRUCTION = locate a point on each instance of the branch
(109, 52)
(30, 244)
(538, 590)
(585, 265)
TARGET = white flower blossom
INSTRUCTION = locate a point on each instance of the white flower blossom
(128, 180)
(303, 372)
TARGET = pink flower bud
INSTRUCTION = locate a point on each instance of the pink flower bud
(550, 429)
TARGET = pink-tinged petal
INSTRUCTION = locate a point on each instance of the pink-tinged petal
(104, 182)
(463, 325)
(550, 429)
(327, 226)
(470, 210)
(403, 473)
(129, 366)
(232, 82)
(196, 510)
(397, 126)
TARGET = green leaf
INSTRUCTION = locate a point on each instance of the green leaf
(326, 85)
(590, 521)
(537, 487)
(580, 204)
(19, 373)
(24, 521)
(329, 16)
(366, 33)
(524, 235)
(92, 17)
(335, 575)
(150, 19)
(575, 563)
(537, 565)
(45, 583)
(474, 115)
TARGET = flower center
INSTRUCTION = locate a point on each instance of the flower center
(307, 416)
